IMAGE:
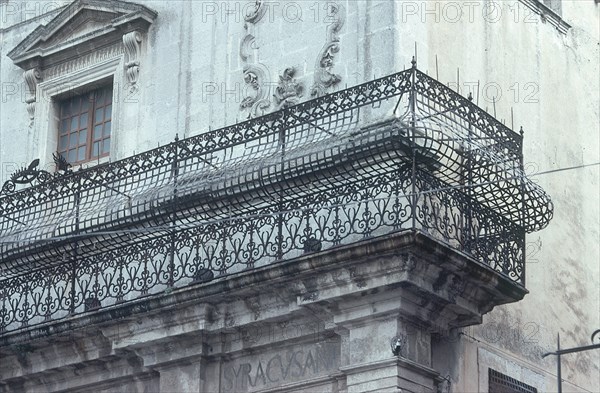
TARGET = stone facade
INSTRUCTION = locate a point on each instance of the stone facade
(356, 319)
(402, 312)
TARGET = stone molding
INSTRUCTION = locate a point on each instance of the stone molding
(97, 57)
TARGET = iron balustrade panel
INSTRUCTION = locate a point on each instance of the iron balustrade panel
(399, 153)
(138, 188)
(142, 190)
(360, 210)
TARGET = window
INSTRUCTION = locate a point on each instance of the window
(500, 383)
(85, 126)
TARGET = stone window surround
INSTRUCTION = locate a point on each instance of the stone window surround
(55, 64)
(489, 357)
(46, 119)
(547, 14)
(507, 383)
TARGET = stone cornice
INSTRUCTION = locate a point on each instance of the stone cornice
(384, 279)
(391, 362)
(485, 288)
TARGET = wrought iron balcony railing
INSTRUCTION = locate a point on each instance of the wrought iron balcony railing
(400, 153)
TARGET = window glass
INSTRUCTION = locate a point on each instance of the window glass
(85, 126)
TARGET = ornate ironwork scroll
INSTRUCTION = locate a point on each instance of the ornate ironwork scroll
(27, 175)
(395, 154)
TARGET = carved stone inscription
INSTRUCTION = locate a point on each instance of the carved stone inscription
(298, 363)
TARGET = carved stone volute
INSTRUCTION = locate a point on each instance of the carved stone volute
(32, 78)
(325, 78)
(132, 44)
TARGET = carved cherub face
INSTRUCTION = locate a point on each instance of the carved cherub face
(251, 79)
(327, 60)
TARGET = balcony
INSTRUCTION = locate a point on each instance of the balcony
(399, 155)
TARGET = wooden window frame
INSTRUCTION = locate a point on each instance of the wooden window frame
(98, 100)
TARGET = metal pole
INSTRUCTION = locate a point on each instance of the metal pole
(560, 352)
(412, 99)
(558, 364)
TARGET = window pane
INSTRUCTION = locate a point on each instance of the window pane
(73, 139)
(85, 103)
(98, 132)
(99, 97)
(107, 129)
(62, 143)
(108, 111)
(77, 114)
(81, 153)
(65, 109)
(76, 105)
(106, 146)
(99, 115)
(64, 126)
(106, 96)
(71, 157)
(83, 120)
(95, 149)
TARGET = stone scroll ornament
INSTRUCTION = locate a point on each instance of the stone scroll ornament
(32, 78)
(256, 101)
(132, 44)
(324, 76)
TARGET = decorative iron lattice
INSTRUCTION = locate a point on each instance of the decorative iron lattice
(398, 153)
(500, 383)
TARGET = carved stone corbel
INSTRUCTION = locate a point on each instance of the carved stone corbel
(32, 78)
(132, 43)
(324, 76)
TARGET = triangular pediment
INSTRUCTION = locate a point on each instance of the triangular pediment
(86, 21)
(81, 23)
